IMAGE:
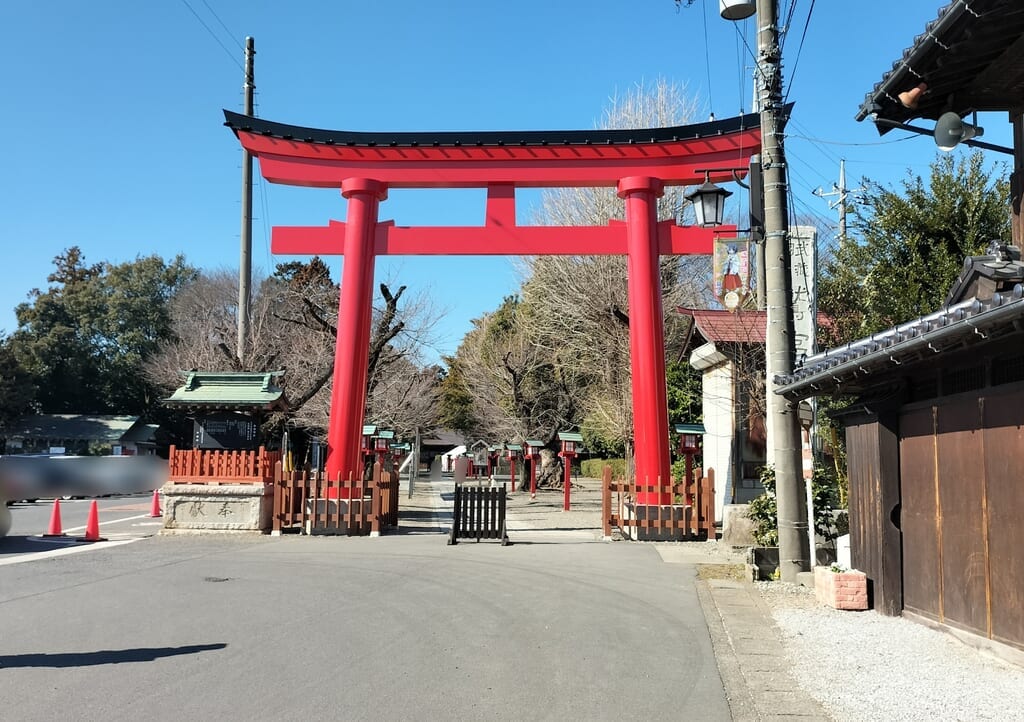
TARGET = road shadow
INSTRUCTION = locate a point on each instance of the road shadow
(32, 544)
(105, 656)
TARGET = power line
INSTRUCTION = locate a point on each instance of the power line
(799, 50)
(707, 57)
(230, 34)
(214, 36)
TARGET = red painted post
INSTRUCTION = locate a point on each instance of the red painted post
(348, 396)
(646, 336)
(512, 471)
(568, 480)
(533, 475)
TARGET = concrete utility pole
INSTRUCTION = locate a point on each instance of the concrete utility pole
(843, 193)
(783, 420)
(245, 259)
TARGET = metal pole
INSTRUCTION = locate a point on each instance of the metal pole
(245, 259)
(783, 419)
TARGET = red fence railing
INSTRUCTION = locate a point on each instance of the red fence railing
(312, 503)
(690, 515)
(214, 466)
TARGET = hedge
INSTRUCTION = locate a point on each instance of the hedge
(594, 468)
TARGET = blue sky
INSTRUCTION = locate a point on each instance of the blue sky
(114, 136)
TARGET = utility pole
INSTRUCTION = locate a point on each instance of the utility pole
(843, 193)
(245, 259)
(783, 420)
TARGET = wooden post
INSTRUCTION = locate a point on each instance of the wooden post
(606, 500)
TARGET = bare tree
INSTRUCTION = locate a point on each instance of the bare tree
(580, 303)
(294, 328)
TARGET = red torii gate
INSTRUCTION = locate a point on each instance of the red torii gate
(638, 163)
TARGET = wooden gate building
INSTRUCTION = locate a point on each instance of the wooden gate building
(935, 443)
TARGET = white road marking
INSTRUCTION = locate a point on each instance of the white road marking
(111, 521)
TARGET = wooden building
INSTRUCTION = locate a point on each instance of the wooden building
(935, 438)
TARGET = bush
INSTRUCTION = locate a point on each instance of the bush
(594, 468)
(764, 510)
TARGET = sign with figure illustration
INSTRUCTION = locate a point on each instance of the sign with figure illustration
(732, 272)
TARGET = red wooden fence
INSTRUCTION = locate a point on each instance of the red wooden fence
(695, 520)
(311, 503)
(214, 466)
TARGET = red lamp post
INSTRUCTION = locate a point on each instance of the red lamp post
(493, 454)
(513, 454)
(690, 437)
(369, 431)
(382, 445)
(570, 445)
(531, 450)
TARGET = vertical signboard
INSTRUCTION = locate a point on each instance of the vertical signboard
(733, 268)
(803, 255)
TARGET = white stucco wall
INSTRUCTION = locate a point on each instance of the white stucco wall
(718, 403)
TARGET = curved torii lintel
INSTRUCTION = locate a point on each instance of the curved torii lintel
(680, 155)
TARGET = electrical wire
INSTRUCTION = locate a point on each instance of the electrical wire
(214, 36)
(786, 25)
(230, 34)
(707, 56)
(800, 48)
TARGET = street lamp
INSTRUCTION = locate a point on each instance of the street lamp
(736, 9)
(708, 203)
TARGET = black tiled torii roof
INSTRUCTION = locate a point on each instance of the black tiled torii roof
(636, 136)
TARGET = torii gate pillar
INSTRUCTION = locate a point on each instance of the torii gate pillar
(348, 394)
(646, 336)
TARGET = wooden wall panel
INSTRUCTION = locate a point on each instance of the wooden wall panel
(921, 569)
(1003, 417)
(962, 519)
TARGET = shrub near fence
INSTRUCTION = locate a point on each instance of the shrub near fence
(594, 468)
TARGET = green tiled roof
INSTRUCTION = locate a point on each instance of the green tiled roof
(689, 429)
(227, 389)
(77, 427)
(569, 436)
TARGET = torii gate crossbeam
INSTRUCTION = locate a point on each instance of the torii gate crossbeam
(638, 163)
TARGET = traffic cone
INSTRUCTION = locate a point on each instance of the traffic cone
(92, 526)
(155, 510)
(55, 528)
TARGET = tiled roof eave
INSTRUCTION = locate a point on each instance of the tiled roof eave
(597, 137)
(935, 333)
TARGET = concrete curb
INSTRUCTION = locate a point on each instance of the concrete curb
(751, 660)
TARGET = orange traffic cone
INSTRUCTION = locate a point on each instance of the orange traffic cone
(155, 510)
(92, 526)
(55, 528)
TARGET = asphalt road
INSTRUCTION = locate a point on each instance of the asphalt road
(399, 627)
(119, 514)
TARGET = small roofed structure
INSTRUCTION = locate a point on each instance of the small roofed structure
(81, 434)
(228, 406)
(225, 481)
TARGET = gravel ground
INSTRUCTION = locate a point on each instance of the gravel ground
(865, 666)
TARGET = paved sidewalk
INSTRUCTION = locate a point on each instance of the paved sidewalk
(751, 658)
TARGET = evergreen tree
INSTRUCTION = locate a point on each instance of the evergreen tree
(910, 246)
